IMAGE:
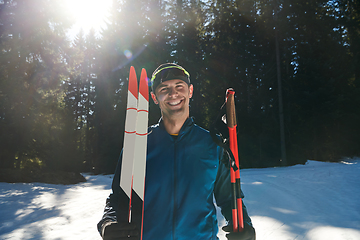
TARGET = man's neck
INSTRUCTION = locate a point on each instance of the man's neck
(174, 125)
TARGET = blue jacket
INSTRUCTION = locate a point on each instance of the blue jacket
(183, 174)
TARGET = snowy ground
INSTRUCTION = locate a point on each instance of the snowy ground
(316, 201)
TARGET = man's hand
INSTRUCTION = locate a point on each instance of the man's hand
(120, 231)
(248, 233)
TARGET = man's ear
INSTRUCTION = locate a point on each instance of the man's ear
(153, 96)
(191, 90)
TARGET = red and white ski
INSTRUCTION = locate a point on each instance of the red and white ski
(132, 178)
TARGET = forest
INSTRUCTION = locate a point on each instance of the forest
(294, 65)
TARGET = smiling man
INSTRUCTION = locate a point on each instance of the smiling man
(172, 92)
(184, 174)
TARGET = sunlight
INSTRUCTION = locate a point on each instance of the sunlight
(89, 13)
(333, 233)
(268, 228)
(283, 210)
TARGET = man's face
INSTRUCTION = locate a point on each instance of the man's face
(173, 97)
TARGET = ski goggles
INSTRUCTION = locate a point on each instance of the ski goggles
(169, 72)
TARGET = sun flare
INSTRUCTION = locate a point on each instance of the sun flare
(89, 13)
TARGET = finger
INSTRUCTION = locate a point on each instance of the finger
(127, 226)
(120, 231)
(120, 238)
(228, 228)
(121, 235)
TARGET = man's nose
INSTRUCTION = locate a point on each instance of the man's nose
(172, 91)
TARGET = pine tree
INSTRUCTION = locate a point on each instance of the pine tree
(32, 65)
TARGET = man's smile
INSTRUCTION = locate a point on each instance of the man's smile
(174, 103)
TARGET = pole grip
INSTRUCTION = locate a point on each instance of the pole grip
(230, 108)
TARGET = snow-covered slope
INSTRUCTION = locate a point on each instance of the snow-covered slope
(313, 201)
(316, 201)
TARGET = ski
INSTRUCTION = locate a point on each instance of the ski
(132, 178)
(140, 149)
(237, 213)
(129, 138)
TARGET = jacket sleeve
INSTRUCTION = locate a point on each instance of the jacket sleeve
(223, 195)
(115, 208)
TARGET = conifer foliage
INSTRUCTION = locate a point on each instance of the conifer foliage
(62, 101)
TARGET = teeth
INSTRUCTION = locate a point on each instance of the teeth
(174, 103)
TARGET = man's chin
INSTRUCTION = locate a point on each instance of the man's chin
(176, 111)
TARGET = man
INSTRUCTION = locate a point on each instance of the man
(184, 173)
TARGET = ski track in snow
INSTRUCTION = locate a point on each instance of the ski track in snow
(315, 201)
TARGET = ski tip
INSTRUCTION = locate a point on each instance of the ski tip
(143, 88)
(133, 82)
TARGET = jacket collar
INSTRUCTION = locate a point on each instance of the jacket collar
(189, 122)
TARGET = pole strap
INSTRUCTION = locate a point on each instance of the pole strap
(221, 141)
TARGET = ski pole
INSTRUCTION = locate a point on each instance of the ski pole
(237, 213)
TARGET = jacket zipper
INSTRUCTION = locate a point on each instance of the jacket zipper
(175, 202)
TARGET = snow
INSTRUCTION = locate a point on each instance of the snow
(315, 201)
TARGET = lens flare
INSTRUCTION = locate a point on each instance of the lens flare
(149, 82)
(128, 54)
